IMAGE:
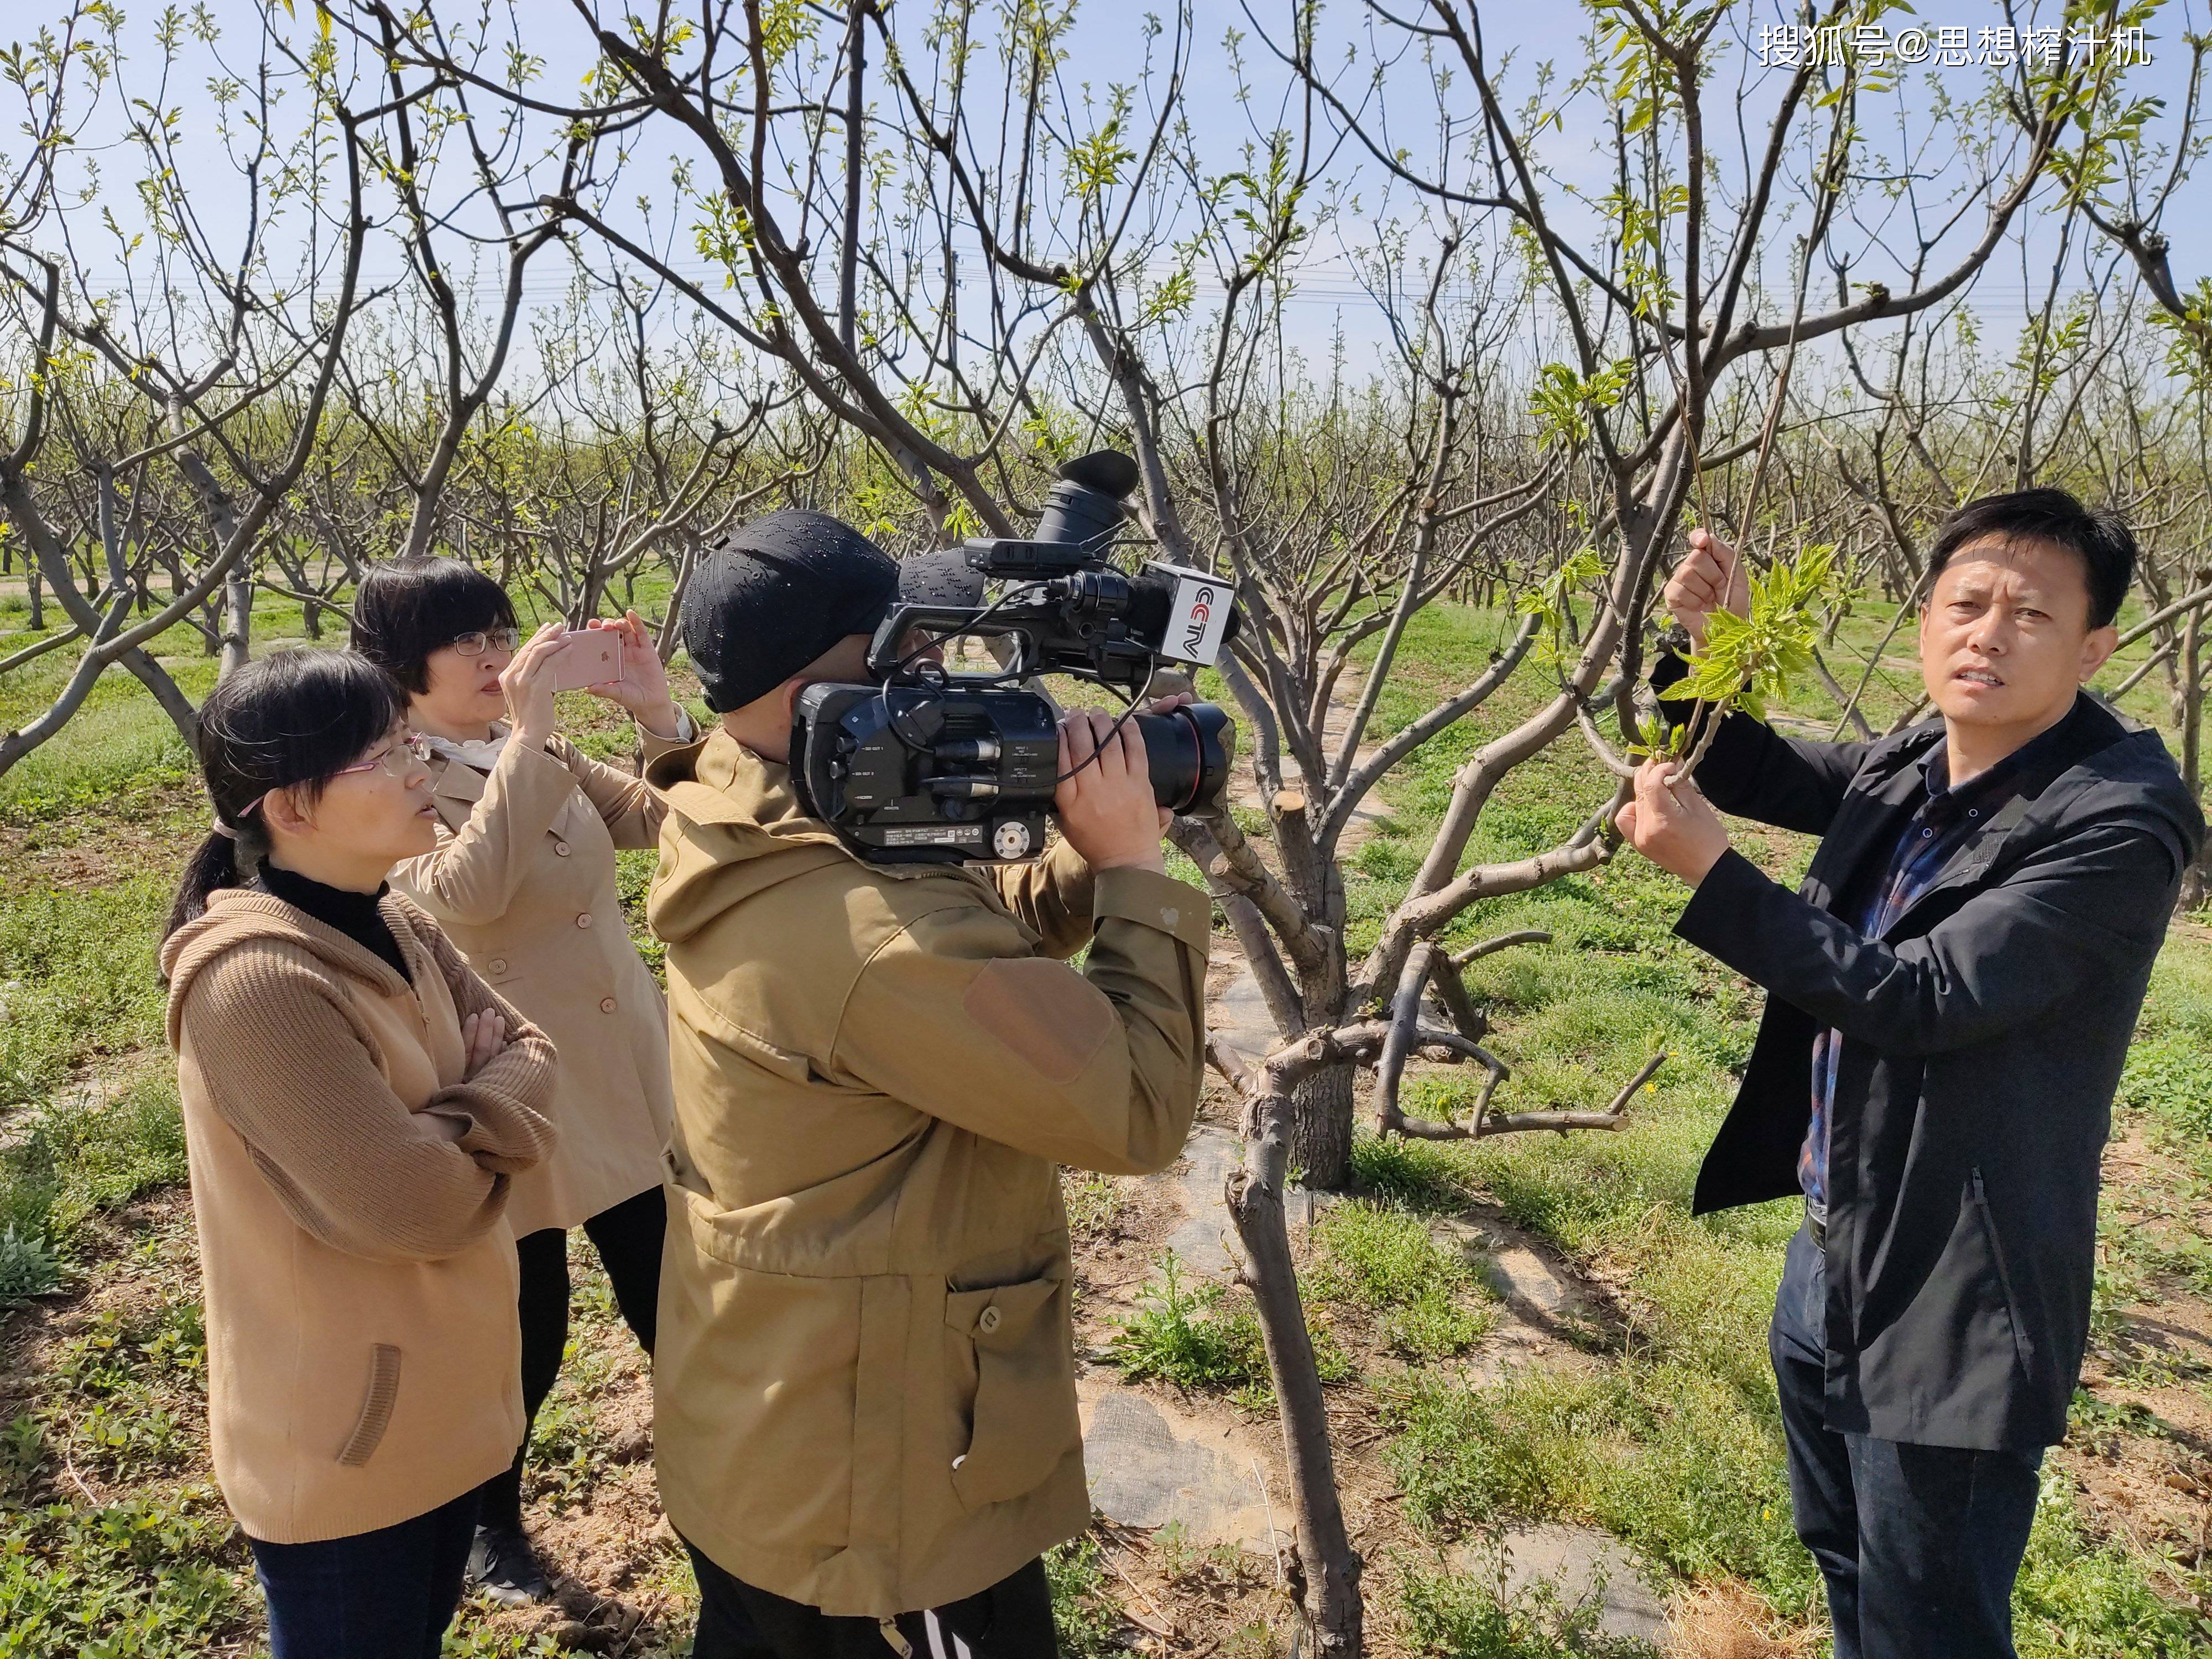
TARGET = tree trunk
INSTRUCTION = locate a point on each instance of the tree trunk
(2196, 883)
(1321, 1132)
(1321, 1135)
(2191, 697)
(174, 703)
(237, 620)
(38, 591)
(2191, 710)
(1324, 1567)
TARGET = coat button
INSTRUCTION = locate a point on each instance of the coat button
(606, 1005)
(585, 919)
(560, 849)
(988, 1321)
(497, 964)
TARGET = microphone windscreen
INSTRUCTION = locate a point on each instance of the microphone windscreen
(1151, 595)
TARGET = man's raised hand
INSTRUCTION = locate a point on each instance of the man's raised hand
(1710, 577)
(1670, 822)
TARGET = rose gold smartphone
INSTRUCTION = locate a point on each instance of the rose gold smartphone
(591, 656)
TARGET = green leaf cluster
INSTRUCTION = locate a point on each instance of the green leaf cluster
(1747, 660)
(2188, 347)
(1564, 401)
(1552, 598)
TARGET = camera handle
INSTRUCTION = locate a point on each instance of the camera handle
(884, 656)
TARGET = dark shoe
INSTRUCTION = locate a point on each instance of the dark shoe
(503, 1566)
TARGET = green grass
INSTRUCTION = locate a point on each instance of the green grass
(1380, 1257)
(127, 1392)
(1203, 1336)
(2169, 1073)
(117, 749)
(29, 1267)
(1081, 1606)
(634, 868)
(2075, 1596)
(152, 1578)
(162, 1575)
(567, 1440)
(71, 1163)
(92, 1157)
(78, 981)
(1092, 1200)
(1483, 1616)
(1675, 1462)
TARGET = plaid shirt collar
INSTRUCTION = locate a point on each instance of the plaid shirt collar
(1990, 788)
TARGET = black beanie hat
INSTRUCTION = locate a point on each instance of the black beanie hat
(776, 594)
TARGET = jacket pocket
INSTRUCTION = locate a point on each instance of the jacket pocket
(2020, 1342)
(1011, 1346)
(376, 1409)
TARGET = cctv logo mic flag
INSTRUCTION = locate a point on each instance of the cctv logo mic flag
(1197, 616)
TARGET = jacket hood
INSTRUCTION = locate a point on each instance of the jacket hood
(735, 829)
(244, 916)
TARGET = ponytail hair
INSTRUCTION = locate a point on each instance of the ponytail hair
(292, 720)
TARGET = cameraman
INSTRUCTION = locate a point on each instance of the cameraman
(864, 1389)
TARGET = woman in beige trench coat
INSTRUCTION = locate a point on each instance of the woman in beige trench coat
(523, 880)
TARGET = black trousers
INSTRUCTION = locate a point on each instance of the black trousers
(383, 1595)
(1919, 1545)
(628, 1238)
(1012, 1620)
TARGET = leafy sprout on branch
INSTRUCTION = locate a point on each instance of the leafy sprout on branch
(1747, 660)
(1551, 599)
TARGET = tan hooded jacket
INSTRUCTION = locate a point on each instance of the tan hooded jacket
(349, 1182)
(864, 1385)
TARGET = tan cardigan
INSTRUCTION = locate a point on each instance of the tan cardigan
(348, 1186)
(864, 1385)
(523, 880)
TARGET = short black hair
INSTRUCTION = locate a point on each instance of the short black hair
(2099, 535)
(404, 610)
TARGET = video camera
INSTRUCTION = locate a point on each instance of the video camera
(937, 765)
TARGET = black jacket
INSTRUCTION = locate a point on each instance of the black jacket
(1984, 1036)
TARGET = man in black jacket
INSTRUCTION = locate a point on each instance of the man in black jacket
(1952, 990)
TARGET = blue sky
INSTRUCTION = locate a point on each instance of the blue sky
(1106, 47)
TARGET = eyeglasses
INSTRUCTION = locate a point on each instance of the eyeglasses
(474, 644)
(414, 745)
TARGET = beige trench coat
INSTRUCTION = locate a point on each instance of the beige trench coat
(863, 1380)
(524, 882)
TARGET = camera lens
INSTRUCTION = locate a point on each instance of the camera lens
(1187, 752)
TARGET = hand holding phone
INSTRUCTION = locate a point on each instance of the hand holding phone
(588, 657)
(642, 685)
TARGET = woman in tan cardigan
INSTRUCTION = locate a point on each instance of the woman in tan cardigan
(522, 879)
(357, 1104)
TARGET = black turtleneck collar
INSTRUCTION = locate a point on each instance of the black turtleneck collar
(353, 915)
